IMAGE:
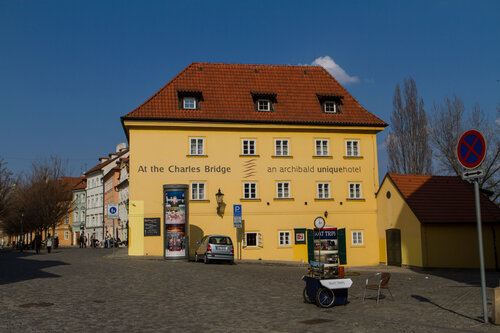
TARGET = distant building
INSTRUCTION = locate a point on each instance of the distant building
(65, 228)
(79, 209)
(123, 199)
(94, 223)
(430, 221)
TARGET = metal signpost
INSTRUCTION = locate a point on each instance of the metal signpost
(238, 224)
(112, 213)
(471, 150)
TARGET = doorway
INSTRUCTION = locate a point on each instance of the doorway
(393, 243)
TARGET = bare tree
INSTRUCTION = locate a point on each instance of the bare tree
(449, 123)
(7, 190)
(407, 143)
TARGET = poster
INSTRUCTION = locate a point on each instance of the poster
(175, 224)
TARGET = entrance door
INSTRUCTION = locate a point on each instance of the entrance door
(393, 240)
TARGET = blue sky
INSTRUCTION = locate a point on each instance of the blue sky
(70, 69)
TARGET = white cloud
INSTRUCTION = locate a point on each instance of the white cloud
(338, 73)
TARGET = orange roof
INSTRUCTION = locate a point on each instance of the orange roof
(226, 92)
(103, 164)
(443, 199)
(81, 185)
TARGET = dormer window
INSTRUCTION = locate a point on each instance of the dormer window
(189, 103)
(331, 107)
(330, 103)
(264, 105)
(264, 101)
(190, 100)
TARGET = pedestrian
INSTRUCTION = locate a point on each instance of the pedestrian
(38, 242)
(49, 243)
(108, 240)
(80, 240)
(56, 241)
(92, 241)
(3, 243)
(84, 241)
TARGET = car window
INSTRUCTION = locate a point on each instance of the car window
(220, 240)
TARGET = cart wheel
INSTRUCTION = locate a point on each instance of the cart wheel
(325, 297)
(307, 299)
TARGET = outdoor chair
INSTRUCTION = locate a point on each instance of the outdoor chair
(378, 282)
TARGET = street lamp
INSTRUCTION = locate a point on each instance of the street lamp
(22, 234)
(219, 196)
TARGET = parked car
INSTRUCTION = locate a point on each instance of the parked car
(215, 247)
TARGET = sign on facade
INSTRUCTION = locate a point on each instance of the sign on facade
(237, 221)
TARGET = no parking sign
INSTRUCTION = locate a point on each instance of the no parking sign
(471, 149)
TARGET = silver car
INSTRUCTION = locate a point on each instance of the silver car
(215, 247)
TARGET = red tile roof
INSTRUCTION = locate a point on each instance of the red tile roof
(443, 199)
(226, 91)
(103, 164)
(81, 184)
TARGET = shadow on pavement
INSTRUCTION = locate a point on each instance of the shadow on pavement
(426, 300)
(472, 277)
(16, 267)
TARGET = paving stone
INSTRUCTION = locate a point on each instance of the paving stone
(91, 290)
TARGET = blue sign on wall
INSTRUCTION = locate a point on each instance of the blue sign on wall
(237, 210)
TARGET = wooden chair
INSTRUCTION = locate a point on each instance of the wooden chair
(378, 282)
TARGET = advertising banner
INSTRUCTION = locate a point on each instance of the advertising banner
(175, 224)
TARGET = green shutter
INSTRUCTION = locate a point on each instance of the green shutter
(342, 246)
(310, 245)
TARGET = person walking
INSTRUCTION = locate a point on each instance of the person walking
(84, 241)
(38, 242)
(3, 243)
(49, 243)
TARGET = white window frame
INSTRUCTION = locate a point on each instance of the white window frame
(259, 242)
(66, 235)
(284, 238)
(355, 191)
(327, 107)
(248, 146)
(66, 220)
(283, 190)
(249, 190)
(280, 148)
(323, 190)
(320, 149)
(357, 238)
(264, 105)
(186, 103)
(195, 151)
(198, 191)
(352, 148)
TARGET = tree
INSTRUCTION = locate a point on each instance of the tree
(7, 187)
(407, 143)
(450, 121)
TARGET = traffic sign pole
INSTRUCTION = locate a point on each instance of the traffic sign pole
(481, 255)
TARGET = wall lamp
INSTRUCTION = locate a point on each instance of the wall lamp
(219, 196)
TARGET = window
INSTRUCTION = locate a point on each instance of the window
(281, 147)
(197, 191)
(189, 103)
(321, 147)
(248, 147)
(352, 148)
(253, 239)
(331, 107)
(354, 191)
(250, 190)
(323, 191)
(66, 235)
(197, 146)
(284, 238)
(264, 105)
(283, 190)
(66, 220)
(357, 237)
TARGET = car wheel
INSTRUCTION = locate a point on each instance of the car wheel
(196, 258)
(307, 299)
(325, 297)
(206, 260)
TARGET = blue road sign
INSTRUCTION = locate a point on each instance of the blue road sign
(471, 149)
(237, 210)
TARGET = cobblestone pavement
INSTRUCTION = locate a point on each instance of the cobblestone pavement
(84, 290)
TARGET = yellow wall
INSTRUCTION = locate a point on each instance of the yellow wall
(457, 246)
(394, 213)
(164, 145)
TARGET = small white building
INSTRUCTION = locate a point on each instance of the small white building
(123, 198)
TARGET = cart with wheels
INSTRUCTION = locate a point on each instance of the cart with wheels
(326, 293)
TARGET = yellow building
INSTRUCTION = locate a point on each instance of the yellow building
(287, 143)
(430, 221)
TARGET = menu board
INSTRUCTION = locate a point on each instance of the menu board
(152, 226)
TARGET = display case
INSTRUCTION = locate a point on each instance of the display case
(326, 254)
